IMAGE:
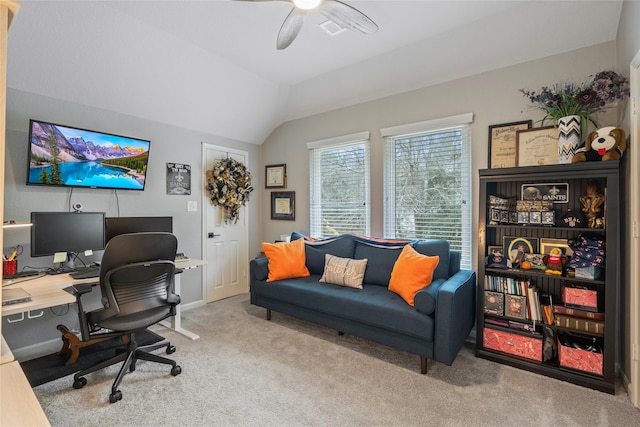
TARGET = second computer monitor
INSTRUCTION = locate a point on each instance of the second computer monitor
(136, 224)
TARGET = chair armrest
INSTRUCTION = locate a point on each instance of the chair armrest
(455, 315)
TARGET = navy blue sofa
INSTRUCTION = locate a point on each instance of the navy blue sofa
(435, 328)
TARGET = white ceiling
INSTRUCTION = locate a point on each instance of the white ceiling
(212, 66)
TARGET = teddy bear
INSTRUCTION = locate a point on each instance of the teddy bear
(555, 261)
(607, 143)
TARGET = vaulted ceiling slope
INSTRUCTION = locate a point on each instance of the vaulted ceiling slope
(213, 66)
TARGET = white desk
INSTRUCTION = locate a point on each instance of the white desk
(48, 291)
(176, 321)
(19, 405)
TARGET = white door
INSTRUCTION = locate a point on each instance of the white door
(225, 244)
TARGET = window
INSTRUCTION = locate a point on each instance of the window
(427, 182)
(339, 171)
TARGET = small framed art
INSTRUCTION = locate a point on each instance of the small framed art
(546, 244)
(275, 176)
(494, 303)
(515, 306)
(516, 247)
(502, 143)
(283, 205)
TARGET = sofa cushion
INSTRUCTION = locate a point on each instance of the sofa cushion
(412, 272)
(286, 260)
(344, 271)
(373, 305)
(316, 249)
(381, 262)
(426, 298)
(439, 248)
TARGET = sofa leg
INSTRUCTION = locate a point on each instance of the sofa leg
(423, 365)
(268, 314)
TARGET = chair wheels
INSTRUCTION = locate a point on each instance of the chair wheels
(78, 383)
(176, 370)
(114, 397)
(171, 349)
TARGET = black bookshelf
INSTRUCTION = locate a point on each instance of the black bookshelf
(508, 182)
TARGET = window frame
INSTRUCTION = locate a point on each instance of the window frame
(391, 135)
(324, 145)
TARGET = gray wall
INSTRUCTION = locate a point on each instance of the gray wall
(493, 97)
(168, 144)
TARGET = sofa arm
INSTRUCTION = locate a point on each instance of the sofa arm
(258, 269)
(455, 315)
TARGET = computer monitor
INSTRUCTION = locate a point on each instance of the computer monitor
(70, 232)
(137, 224)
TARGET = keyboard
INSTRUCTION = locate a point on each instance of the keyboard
(86, 273)
(26, 273)
(181, 257)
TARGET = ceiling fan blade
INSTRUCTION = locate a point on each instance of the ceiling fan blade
(290, 28)
(347, 17)
(289, 1)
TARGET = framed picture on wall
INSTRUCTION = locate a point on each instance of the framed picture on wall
(275, 176)
(283, 205)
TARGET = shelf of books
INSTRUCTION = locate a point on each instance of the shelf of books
(548, 256)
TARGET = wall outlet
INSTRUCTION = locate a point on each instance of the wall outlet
(192, 206)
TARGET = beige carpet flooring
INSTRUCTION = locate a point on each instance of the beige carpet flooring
(247, 371)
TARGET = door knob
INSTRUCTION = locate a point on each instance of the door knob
(213, 235)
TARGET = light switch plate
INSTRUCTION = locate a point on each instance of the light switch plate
(192, 206)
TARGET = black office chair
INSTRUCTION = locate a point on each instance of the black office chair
(137, 285)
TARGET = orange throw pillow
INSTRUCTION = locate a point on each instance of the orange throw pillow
(412, 272)
(286, 260)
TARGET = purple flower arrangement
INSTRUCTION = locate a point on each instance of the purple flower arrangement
(582, 100)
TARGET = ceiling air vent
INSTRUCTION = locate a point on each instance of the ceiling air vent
(332, 28)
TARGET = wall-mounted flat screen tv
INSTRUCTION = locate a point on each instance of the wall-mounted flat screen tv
(68, 156)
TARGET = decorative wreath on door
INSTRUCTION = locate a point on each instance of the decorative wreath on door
(229, 186)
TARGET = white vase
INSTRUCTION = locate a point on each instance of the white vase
(568, 138)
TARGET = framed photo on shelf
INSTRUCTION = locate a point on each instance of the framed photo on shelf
(536, 260)
(546, 244)
(494, 303)
(554, 192)
(537, 146)
(515, 306)
(283, 205)
(275, 176)
(502, 143)
(516, 247)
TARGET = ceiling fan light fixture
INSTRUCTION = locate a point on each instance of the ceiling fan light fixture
(307, 4)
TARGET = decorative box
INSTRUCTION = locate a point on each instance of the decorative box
(526, 346)
(580, 353)
(581, 298)
(590, 272)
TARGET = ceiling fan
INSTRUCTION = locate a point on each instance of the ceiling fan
(340, 13)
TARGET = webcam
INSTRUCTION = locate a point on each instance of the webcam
(77, 207)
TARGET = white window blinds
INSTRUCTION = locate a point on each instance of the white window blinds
(427, 182)
(339, 185)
